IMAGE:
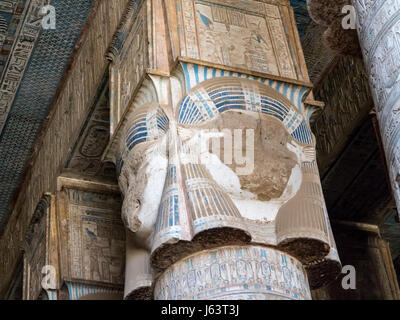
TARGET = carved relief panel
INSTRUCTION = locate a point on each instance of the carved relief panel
(250, 35)
(19, 53)
(245, 273)
(75, 247)
(92, 237)
(379, 32)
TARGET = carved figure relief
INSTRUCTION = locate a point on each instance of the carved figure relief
(247, 36)
(18, 60)
(130, 60)
(95, 239)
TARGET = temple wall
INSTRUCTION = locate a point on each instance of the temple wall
(74, 98)
(348, 101)
(378, 29)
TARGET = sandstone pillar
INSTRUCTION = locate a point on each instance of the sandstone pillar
(378, 24)
(215, 157)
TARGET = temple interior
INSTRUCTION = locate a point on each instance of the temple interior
(199, 149)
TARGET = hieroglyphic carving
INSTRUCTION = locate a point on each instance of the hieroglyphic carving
(245, 273)
(361, 246)
(247, 35)
(205, 205)
(41, 260)
(11, 15)
(6, 12)
(95, 240)
(92, 247)
(80, 86)
(379, 32)
(86, 156)
(348, 98)
(129, 61)
(313, 44)
(19, 58)
(238, 64)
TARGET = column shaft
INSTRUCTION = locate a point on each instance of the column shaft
(379, 33)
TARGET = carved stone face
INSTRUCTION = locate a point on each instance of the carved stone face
(178, 186)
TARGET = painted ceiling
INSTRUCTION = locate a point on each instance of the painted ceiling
(32, 63)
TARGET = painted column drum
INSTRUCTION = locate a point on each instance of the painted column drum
(235, 273)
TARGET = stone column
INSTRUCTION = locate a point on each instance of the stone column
(215, 156)
(378, 23)
(234, 273)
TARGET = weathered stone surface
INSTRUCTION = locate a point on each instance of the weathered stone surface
(166, 91)
(92, 237)
(273, 164)
(341, 40)
(348, 101)
(36, 254)
(86, 155)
